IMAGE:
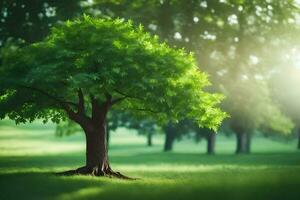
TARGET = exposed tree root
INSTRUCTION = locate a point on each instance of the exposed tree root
(95, 171)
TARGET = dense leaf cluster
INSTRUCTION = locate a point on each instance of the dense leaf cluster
(105, 57)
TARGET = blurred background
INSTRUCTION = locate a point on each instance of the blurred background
(249, 49)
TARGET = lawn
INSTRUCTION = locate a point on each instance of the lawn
(29, 156)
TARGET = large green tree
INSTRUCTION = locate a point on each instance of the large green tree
(87, 66)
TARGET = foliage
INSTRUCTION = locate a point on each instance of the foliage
(101, 58)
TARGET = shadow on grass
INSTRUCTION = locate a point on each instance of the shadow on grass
(33, 185)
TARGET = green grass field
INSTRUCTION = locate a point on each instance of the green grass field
(29, 156)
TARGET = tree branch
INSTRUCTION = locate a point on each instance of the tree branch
(81, 109)
(115, 101)
(108, 97)
(64, 104)
(128, 96)
(78, 117)
(148, 110)
(58, 100)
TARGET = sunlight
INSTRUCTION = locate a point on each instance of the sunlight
(295, 57)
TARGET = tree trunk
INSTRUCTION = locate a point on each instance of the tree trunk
(169, 139)
(165, 21)
(96, 149)
(97, 162)
(211, 142)
(108, 131)
(248, 143)
(95, 129)
(149, 139)
(241, 143)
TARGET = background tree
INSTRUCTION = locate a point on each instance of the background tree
(31, 20)
(186, 127)
(86, 66)
(143, 126)
(257, 112)
(237, 55)
(210, 137)
(175, 132)
(189, 129)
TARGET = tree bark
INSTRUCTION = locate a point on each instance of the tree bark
(95, 129)
(241, 143)
(211, 142)
(149, 140)
(248, 143)
(169, 139)
(108, 131)
(96, 149)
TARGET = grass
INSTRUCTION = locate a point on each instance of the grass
(29, 155)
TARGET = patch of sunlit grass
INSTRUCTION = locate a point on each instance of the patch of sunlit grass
(29, 157)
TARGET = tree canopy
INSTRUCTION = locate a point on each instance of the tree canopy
(108, 60)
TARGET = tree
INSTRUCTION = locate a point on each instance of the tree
(175, 131)
(187, 127)
(210, 136)
(170, 134)
(258, 111)
(30, 21)
(87, 66)
(143, 126)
